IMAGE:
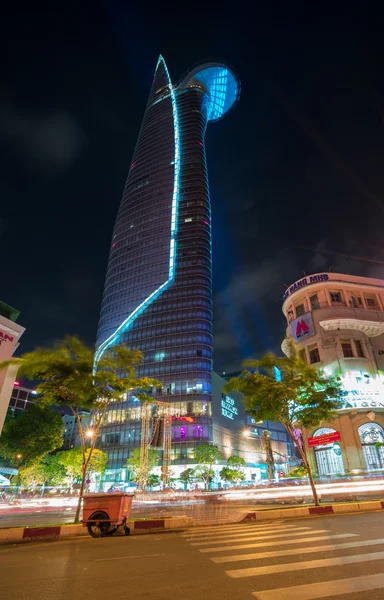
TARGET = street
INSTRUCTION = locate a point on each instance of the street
(325, 557)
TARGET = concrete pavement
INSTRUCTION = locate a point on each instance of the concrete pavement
(338, 558)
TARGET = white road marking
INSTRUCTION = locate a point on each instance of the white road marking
(241, 533)
(246, 537)
(283, 543)
(125, 557)
(291, 551)
(324, 589)
(301, 566)
(251, 524)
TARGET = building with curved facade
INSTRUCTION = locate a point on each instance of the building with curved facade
(158, 288)
(337, 321)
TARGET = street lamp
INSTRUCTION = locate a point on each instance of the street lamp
(19, 456)
(89, 433)
(246, 433)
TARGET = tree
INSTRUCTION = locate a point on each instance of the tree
(301, 397)
(29, 437)
(232, 475)
(133, 464)
(266, 441)
(72, 461)
(299, 471)
(206, 455)
(153, 480)
(236, 462)
(69, 376)
(233, 472)
(187, 477)
(44, 471)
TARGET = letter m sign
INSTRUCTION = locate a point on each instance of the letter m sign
(302, 327)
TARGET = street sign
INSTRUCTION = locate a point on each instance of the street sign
(327, 438)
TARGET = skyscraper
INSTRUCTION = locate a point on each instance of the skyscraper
(158, 289)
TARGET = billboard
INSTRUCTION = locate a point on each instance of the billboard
(302, 327)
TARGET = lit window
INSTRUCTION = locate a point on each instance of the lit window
(347, 348)
(187, 220)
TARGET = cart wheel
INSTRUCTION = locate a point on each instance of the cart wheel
(97, 528)
(127, 531)
(112, 529)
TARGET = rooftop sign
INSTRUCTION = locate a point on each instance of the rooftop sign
(304, 282)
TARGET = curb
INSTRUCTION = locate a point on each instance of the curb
(15, 535)
(310, 511)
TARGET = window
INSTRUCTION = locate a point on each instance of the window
(356, 302)
(359, 349)
(336, 297)
(314, 355)
(300, 310)
(314, 302)
(347, 348)
(370, 301)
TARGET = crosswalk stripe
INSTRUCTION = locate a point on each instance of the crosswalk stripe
(241, 533)
(245, 537)
(199, 530)
(301, 566)
(282, 543)
(218, 530)
(313, 591)
(290, 552)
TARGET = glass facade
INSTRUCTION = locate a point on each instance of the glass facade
(158, 292)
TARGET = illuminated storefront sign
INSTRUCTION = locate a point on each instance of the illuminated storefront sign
(361, 390)
(228, 408)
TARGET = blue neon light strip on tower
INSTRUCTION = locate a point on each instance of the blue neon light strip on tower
(112, 340)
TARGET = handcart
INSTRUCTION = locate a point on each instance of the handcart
(103, 514)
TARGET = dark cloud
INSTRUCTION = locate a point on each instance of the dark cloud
(52, 141)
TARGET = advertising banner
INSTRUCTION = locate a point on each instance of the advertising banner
(321, 440)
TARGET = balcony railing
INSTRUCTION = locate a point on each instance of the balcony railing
(343, 305)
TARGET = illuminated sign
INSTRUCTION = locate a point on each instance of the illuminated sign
(228, 408)
(302, 327)
(304, 282)
(361, 390)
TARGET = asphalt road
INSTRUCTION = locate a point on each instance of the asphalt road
(332, 558)
(202, 513)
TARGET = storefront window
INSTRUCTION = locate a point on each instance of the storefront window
(370, 434)
(329, 459)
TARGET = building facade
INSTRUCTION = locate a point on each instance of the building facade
(158, 288)
(10, 333)
(22, 398)
(337, 321)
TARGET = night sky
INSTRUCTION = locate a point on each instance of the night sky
(296, 170)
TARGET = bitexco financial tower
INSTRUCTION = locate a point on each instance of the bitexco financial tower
(158, 288)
